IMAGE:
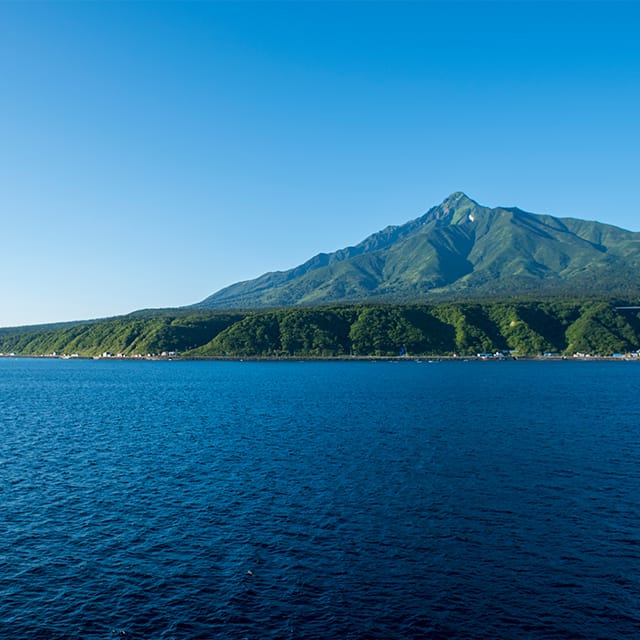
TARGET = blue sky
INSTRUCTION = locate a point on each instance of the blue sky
(152, 153)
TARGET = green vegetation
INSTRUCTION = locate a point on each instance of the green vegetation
(458, 250)
(135, 334)
(487, 260)
(524, 327)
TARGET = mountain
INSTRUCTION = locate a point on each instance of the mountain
(523, 327)
(457, 250)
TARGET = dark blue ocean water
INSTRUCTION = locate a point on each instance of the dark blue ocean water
(319, 500)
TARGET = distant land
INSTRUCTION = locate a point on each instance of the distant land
(457, 250)
(509, 328)
(461, 280)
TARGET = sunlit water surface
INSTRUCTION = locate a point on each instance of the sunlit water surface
(319, 500)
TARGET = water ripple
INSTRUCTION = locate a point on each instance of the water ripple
(318, 500)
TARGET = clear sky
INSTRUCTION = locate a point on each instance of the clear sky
(152, 153)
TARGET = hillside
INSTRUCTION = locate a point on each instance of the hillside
(523, 327)
(457, 250)
(140, 333)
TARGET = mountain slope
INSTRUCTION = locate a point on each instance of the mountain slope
(522, 327)
(458, 249)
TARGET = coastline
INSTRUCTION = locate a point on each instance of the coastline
(425, 359)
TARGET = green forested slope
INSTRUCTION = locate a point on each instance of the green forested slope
(524, 327)
(134, 334)
(458, 249)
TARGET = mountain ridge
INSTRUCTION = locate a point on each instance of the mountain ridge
(458, 249)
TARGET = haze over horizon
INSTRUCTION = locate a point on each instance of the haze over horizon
(154, 153)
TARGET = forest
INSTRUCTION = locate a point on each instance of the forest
(517, 328)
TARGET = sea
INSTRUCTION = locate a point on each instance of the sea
(346, 500)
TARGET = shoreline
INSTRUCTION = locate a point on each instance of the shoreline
(426, 359)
